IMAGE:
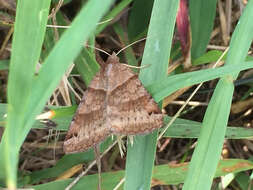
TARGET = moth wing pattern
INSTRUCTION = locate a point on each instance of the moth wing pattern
(88, 126)
(132, 109)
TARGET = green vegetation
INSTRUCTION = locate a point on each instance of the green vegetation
(29, 90)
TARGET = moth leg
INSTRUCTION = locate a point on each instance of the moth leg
(121, 145)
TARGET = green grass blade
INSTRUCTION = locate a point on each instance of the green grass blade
(140, 156)
(243, 180)
(207, 153)
(30, 25)
(210, 56)
(159, 39)
(163, 88)
(139, 18)
(202, 14)
(182, 128)
(162, 175)
(86, 65)
(4, 65)
(112, 14)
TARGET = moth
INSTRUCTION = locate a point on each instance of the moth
(115, 103)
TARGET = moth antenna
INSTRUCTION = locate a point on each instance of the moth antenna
(103, 51)
(136, 67)
(130, 45)
(131, 139)
(122, 147)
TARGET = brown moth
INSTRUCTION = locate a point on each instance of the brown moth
(115, 103)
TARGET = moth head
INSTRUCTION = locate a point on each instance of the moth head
(112, 59)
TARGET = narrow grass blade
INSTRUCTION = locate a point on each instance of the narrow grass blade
(86, 65)
(140, 156)
(30, 25)
(112, 14)
(210, 56)
(164, 87)
(207, 153)
(139, 19)
(4, 64)
(182, 128)
(243, 180)
(162, 175)
(202, 14)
